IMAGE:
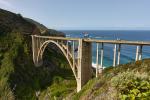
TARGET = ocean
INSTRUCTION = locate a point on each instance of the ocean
(128, 52)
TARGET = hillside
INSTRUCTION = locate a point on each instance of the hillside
(124, 82)
(40, 26)
(19, 78)
(15, 22)
(44, 30)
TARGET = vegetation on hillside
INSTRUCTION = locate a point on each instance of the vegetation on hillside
(44, 30)
(15, 22)
(22, 80)
(124, 82)
(19, 78)
(39, 25)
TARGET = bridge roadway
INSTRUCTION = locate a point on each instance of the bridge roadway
(81, 66)
(98, 41)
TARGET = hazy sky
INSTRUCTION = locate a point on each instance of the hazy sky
(84, 14)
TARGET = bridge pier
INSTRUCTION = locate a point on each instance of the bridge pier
(114, 60)
(102, 54)
(73, 56)
(67, 49)
(99, 68)
(35, 46)
(138, 53)
(118, 60)
(97, 60)
(84, 63)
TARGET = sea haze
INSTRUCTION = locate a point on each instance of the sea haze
(127, 51)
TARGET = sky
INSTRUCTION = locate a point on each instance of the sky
(84, 14)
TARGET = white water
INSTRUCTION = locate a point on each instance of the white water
(99, 66)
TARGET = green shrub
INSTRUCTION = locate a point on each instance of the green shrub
(132, 85)
(5, 70)
(5, 92)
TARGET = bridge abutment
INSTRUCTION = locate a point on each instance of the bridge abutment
(37, 61)
(85, 63)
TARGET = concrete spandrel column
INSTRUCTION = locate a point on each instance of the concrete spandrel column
(119, 49)
(33, 48)
(78, 54)
(79, 85)
(137, 54)
(97, 60)
(67, 50)
(73, 56)
(37, 48)
(114, 60)
(140, 52)
(102, 56)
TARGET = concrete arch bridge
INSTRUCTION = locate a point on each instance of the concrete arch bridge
(80, 60)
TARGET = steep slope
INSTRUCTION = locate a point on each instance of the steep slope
(44, 30)
(19, 78)
(15, 22)
(40, 26)
(124, 82)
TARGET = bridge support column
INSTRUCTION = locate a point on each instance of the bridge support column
(102, 54)
(84, 63)
(114, 60)
(119, 48)
(73, 56)
(140, 53)
(67, 49)
(35, 47)
(137, 54)
(99, 69)
(97, 60)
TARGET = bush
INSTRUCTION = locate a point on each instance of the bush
(6, 68)
(132, 85)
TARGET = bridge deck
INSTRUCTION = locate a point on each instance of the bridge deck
(57, 38)
(98, 41)
(118, 42)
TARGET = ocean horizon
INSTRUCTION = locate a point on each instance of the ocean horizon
(128, 52)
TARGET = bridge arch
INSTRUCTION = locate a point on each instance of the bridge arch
(43, 47)
(81, 67)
